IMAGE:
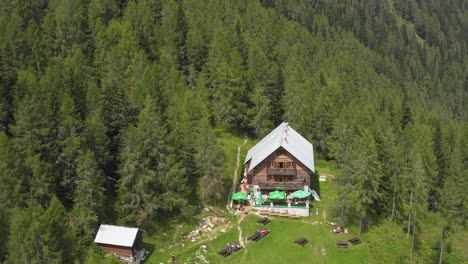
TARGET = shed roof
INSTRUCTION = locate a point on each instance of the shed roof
(116, 235)
(286, 137)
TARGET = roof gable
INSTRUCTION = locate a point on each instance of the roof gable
(286, 137)
(116, 235)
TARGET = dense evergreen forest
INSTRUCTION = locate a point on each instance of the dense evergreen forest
(108, 109)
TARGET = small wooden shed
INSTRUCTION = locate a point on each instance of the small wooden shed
(125, 242)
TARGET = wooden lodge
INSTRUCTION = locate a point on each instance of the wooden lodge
(124, 242)
(283, 160)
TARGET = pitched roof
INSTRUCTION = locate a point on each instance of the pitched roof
(116, 235)
(286, 137)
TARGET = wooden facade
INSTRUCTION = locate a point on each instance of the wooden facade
(280, 170)
(125, 252)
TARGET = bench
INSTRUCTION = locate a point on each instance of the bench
(264, 221)
(354, 240)
(257, 238)
(225, 252)
(254, 237)
(301, 241)
(342, 244)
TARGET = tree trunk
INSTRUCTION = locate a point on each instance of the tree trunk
(393, 206)
(442, 246)
(409, 216)
(412, 242)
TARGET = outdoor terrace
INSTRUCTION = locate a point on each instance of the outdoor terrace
(287, 186)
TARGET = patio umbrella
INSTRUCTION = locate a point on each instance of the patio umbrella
(239, 196)
(300, 194)
(277, 195)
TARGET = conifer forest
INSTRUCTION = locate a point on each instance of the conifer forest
(110, 110)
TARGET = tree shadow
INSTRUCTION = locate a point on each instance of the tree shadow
(151, 248)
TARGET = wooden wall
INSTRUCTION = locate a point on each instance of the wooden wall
(138, 243)
(259, 173)
(119, 250)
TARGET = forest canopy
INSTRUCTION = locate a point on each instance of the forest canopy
(115, 102)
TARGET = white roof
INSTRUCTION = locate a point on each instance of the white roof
(116, 235)
(286, 137)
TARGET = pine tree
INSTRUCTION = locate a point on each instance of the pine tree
(209, 159)
(70, 143)
(390, 157)
(440, 151)
(4, 232)
(453, 193)
(10, 187)
(262, 78)
(225, 82)
(417, 187)
(297, 94)
(152, 180)
(40, 236)
(33, 143)
(181, 39)
(88, 196)
(116, 115)
(361, 173)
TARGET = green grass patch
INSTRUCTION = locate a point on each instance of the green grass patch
(279, 247)
(325, 166)
(229, 143)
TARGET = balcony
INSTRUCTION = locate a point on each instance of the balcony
(282, 171)
(287, 186)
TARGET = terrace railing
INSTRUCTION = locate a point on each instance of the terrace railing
(282, 171)
(288, 186)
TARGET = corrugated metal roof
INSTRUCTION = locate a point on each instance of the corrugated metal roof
(286, 137)
(116, 235)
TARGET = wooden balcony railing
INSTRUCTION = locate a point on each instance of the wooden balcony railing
(282, 171)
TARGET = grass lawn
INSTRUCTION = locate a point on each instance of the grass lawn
(229, 143)
(278, 246)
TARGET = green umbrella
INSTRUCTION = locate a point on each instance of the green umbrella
(277, 195)
(239, 196)
(300, 194)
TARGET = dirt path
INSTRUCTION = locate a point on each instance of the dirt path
(234, 179)
(233, 189)
(241, 239)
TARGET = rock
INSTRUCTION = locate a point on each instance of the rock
(193, 240)
(223, 230)
(203, 246)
